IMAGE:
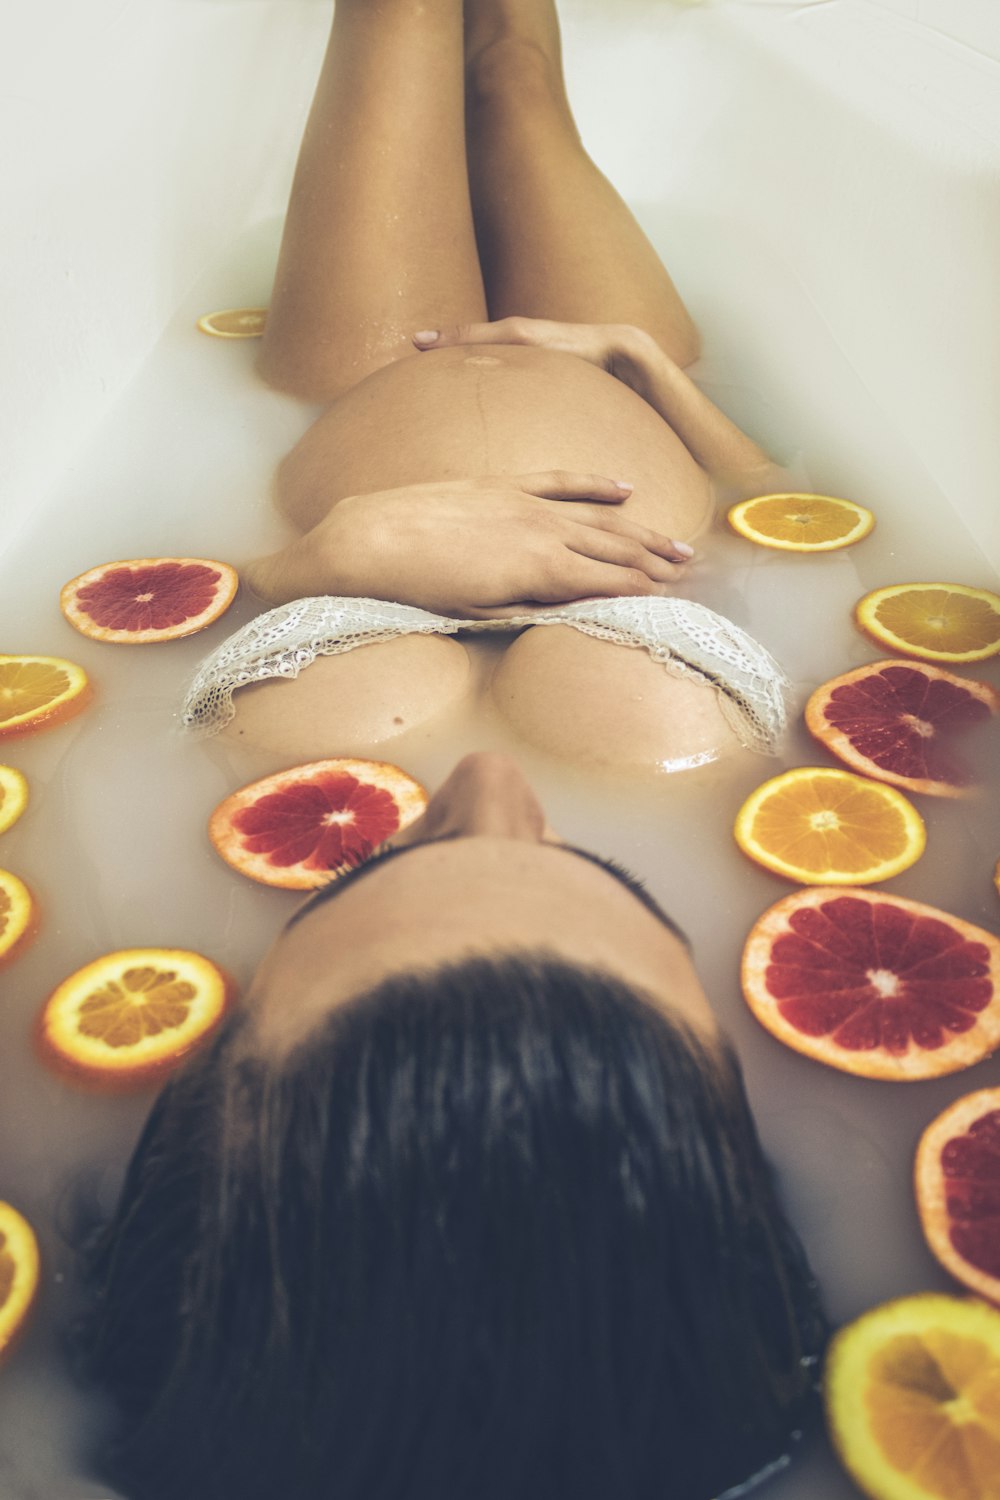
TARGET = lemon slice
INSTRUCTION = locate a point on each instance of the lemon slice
(235, 323)
(801, 523)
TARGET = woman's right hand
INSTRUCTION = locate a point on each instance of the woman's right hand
(482, 548)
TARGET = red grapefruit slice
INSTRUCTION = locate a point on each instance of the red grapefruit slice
(301, 826)
(893, 720)
(148, 599)
(874, 984)
(956, 1177)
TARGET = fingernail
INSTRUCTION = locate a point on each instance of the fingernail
(623, 484)
(683, 549)
(426, 336)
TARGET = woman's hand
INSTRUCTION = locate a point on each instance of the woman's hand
(477, 548)
(603, 344)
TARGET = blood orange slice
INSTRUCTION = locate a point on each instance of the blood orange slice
(148, 599)
(38, 692)
(17, 913)
(127, 1019)
(801, 523)
(873, 984)
(933, 621)
(301, 826)
(893, 719)
(235, 323)
(19, 1273)
(956, 1176)
(13, 796)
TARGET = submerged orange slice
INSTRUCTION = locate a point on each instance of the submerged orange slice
(19, 1274)
(17, 912)
(38, 692)
(801, 523)
(873, 984)
(301, 826)
(13, 796)
(149, 599)
(956, 1176)
(911, 1394)
(127, 1019)
(893, 720)
(235, 323)
(933, 621)
(823, 827)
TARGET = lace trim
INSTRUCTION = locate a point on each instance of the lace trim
(686, 638)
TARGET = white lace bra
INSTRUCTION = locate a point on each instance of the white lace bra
(686, 638)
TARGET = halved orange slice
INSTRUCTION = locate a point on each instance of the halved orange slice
(956, 1176)
(301, 826)
(800, 523)
(13, 796)
(19, 1275)
(235, 323)
(824, 827)
(873, 984)
(911, 1394)
(38, 692)
(148, 599)
(127, 1019)
(17, 913)
(893, 720)
(933, 621)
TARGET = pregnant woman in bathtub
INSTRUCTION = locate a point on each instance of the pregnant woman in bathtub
(508, 435)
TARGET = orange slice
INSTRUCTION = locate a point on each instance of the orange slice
(301, 826)
(933, 621)
(19, 1275)
(956, 1176)
(17, 913)
(825, 827)
(873, 984)
(911, 1394)
(38, 692)
(801, 523)
(893, 720)
(235, 323)
(127, 1019)
(13, 796)
(148, 599)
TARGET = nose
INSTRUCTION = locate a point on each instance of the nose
(487, 794)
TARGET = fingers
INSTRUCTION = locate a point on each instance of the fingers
(563, 484)
(612, 523)
(501, 331)
(626, 554)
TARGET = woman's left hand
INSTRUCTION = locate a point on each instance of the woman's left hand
(601, 344)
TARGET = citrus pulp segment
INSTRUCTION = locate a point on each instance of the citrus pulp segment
(128, 1018)
(873, 984)
(19, 1273)
(801, 523)
(148, 599)
(17, 911)
(826, 827)
(38, 692)
(13, 796)
(933, 621)
(235, 323)
(893, 720)
(297, 828)
(912, 1396)
(956, 1176)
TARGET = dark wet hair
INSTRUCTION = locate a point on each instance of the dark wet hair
(499, 1231)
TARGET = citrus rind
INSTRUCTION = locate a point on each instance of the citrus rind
(234, 323)
(931, 1183)
(979, 610)
(61, 689)
(19, 1275)
(215, 583)
(13, 796)
(17, 915)
(787, 521)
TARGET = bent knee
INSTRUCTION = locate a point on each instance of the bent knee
(511, 68)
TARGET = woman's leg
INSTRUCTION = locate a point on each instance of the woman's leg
(379, 238)
(555, 239)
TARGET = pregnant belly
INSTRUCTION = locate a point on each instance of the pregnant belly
(478, 410)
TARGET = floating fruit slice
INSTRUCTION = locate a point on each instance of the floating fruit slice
(956, 1175)
(892, 720)
(873, 984)
(933, 621)
(19, 1270)
(13, 796)
(825, 827)
(127, 1019)
(801, 523)
(911, 1399)
(235, 323)
(38, 692)
(17, 911)
(149, 599)
(301, 826)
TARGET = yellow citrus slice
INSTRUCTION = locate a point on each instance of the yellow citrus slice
(19, 1274)
(956, 1177)
(235, 323)
(149, 599)
(130, 1017)
(912, 1394)
(13, 796)
(38, 692)
(823, 827)
(933, 621)
(17, 912)
(801, 523)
